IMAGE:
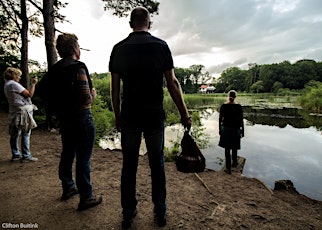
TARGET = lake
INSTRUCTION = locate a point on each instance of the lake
(279, 144)
(273, 152)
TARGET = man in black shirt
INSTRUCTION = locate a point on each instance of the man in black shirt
(141, 61)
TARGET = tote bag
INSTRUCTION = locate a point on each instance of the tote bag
(190, 160)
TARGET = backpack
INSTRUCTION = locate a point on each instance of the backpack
(57, 86)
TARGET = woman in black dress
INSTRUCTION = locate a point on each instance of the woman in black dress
(231, 129)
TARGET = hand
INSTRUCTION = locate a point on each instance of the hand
(34, 80)
(186, 122)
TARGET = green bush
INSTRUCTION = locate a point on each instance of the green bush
(312, 97)
(103, 118)
(102, 84)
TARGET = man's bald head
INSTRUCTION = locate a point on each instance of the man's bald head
(140, 19)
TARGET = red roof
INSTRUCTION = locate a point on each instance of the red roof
(204, 86)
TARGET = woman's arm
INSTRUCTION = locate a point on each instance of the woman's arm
(30, 92)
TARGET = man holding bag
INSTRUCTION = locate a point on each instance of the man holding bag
(142, 61)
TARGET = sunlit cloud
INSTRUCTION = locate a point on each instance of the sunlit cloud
(216, 34)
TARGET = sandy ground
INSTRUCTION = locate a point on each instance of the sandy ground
(30, 194)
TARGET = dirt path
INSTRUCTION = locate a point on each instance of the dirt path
(30, 194)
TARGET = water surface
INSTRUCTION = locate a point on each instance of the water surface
(274, 153)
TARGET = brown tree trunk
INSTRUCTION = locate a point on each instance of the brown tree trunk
(24, 46)
(49, 25)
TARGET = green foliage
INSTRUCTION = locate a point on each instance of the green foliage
(172, 114)
(102, 84)
(102, 113)
(277, 86)
(170, 153)
(103, 118)
(191, 100)
(199, 100)
(283, 92)
(199, 135)
(233, 78)
(7, 59)
(312, 97)
(102, 107)
(270, 78)
(197, 132)
(189, 78)
(121, 8)
(257, 87)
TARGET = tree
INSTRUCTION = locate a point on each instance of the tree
(272, 77)
(24, 44)
(276, 86)
(14, 15)
(253, 75)
(257, 87)
(123, 7)
(198, 76)
(196, 73)
(307, 71)
(183, 76)
(51, 16)
(6, 59)
(206, 77)
(311, 99)
(267, 77)
(232, 78)
(9, 26)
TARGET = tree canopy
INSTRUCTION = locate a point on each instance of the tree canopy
(270, 77)
(121, 8)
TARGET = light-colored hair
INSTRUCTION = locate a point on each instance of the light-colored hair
(232, 94)
(10, 73)
(66, 44)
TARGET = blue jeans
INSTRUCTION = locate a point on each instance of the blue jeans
(78, 136)
(14, 141)
(131, 139)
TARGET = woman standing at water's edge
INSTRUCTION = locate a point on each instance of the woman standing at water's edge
(231, 129)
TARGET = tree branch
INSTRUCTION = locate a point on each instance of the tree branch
(35, 5)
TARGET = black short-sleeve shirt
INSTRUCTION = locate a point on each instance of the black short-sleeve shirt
(141, 60)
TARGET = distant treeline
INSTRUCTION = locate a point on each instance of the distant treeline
(270, 77)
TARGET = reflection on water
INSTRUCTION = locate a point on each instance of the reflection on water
(275, 149)
(278, 144)
(297, 118)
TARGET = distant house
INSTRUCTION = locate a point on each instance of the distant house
(207, 88)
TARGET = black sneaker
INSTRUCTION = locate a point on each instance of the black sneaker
(228, 171)
(15, 158)
(69, 194)
(128, 219)
(89, 203)
(161, 220)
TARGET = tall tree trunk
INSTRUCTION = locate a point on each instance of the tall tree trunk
(24, 46)
(49, 25)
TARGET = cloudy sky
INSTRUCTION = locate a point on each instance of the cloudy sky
(215, 33)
